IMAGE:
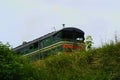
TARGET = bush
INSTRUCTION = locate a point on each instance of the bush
(95, 64)
(12, 66)
(9, 64)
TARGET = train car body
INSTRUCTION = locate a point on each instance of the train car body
(66, 39)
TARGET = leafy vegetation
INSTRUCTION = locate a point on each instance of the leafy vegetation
(12, 66)
(89, 42)
(95, 64)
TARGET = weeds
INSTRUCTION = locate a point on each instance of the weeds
(96, 64)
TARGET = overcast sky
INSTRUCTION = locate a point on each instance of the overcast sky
(25, 20)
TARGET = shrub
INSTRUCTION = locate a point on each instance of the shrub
(12, 66)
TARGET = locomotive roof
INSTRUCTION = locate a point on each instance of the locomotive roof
(48, 35)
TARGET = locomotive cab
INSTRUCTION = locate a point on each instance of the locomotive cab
(66, 39)
(73, 34)
(69, 34)
(73, 39)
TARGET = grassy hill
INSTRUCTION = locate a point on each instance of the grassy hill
(96, 64)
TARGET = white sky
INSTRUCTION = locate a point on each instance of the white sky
(25, 20)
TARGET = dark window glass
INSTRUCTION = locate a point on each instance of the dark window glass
(31, 47)
(35, 45)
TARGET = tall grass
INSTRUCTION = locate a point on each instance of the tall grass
(96, 64)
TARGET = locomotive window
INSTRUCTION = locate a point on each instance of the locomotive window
(35, 45)
(72, 35)
(31, 47)
(67, 35)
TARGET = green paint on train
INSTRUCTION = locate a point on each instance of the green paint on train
(66, 39)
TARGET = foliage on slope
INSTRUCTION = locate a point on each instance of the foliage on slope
(14, 67)
(96, 64)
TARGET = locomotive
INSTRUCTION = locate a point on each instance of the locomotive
(64, 40)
